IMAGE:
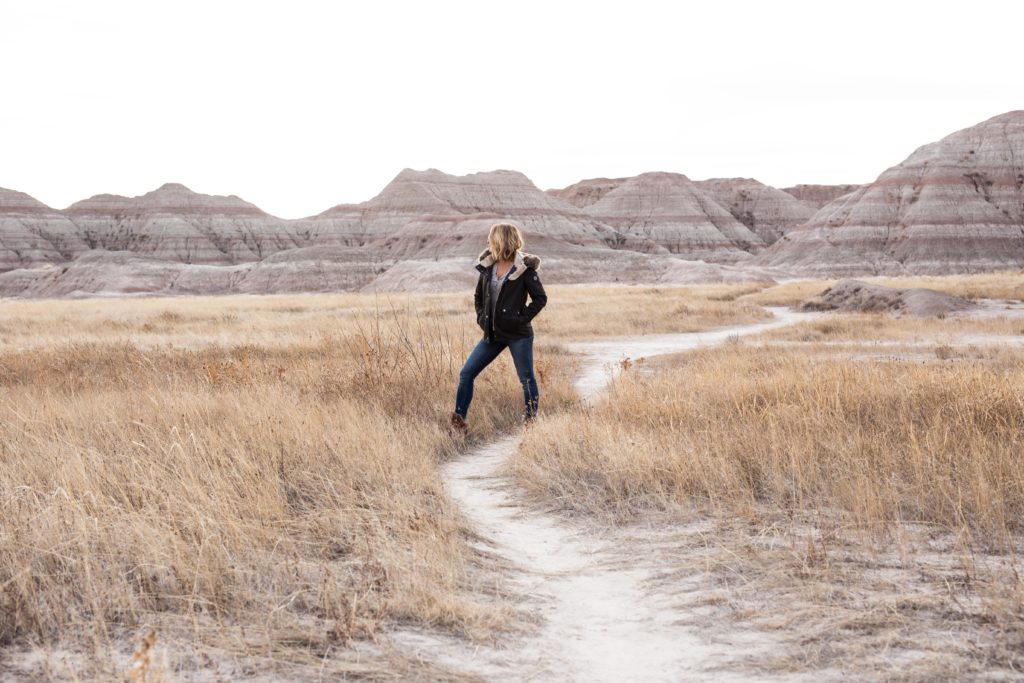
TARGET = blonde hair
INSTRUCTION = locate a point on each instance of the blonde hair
(504, 240)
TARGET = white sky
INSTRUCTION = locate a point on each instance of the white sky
(297, 106)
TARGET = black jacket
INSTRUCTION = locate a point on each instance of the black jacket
(512, 316)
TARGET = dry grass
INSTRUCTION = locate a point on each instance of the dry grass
(282, 321)
(1005, 285)
(842, 460)
(873, 327)
(589, 312)
(738, 427)
(917, 608)
(256, 477)
(273, 498)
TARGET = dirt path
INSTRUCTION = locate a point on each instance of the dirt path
(599, 619)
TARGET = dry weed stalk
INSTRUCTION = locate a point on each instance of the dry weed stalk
(142, 669)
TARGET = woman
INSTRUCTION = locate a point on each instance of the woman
(507, 275)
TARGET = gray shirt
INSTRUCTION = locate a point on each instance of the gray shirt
(496, 287)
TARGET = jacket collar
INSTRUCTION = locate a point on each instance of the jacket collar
(521, 262)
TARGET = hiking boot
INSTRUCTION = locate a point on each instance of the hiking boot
(457, 425)
(530, 413)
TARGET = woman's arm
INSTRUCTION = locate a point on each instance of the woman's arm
(478, 297)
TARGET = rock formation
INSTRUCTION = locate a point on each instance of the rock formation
(103, 273)
(818, 196)
(99, 272)
(431, 214)
(956, 205)
(318, 269)
(586, 192)
(426, 225)
(313, 269)
(854, 296)
(669, 210)
(445, 275)
(176, 224)
(623, 267)
(768, 212)
(32, 233)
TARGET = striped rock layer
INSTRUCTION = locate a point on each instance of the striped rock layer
(433, 214)
(956, 205)
(31, 233)
(768, 212)
(586, 192)
(177, 224)
(819, 195)
(672, 212)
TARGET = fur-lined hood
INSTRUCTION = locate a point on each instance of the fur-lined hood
(521, 262)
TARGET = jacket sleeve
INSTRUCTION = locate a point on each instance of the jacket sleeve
(478, 297)
(538, 298)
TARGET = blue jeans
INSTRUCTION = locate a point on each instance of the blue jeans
(481, 357)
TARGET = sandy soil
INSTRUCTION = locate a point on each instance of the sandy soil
(601, 616)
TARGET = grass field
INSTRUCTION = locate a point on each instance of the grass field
(1003, 285)
(256, 478)
(216, 465)
(862, 506)
(272, 495)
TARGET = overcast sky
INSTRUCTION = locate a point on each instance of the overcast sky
(297, 106)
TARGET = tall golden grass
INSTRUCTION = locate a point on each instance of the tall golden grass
(287, 491)
(575, 313)
(860, 507)
(260, 473)
(281, 321)
(860, 511)
(736, 428)
(870, 327)
(1000, 285)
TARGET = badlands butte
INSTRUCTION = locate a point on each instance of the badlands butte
(953, 206)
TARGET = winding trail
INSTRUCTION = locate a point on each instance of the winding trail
(598, 619)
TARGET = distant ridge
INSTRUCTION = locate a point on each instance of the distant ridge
(672, 212)
(169, 198)
(586, 192)
(768, 212)
(955, 205)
